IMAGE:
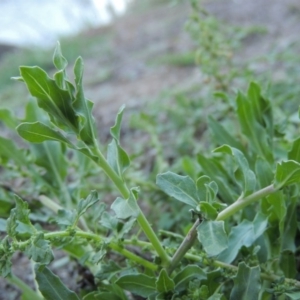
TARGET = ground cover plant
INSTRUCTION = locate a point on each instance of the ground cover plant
(228, 227)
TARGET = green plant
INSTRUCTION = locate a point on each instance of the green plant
(243, 201)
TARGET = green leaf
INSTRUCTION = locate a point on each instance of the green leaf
(246, 283)
(65, 217)
(83, 107)
(117, 158)
(186, 275)
(243, 174)
(182, 188)
(7, 117)
(59, 60)
(208, 210)
(54, 100)
(115, 130)
(5, 257)
(264, 172)
(164, 283)
(222, 136)
(138, 284)
(126, 208)
(38, 132)
(287, 172)
(212, 236)
(39, 250)
(216, 172)
(244, 234)
(9, 150)
(293, 295)
(294, 153)
(51, 286)
(255, 118)
(84, 204)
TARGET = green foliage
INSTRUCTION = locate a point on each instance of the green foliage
(243, 196)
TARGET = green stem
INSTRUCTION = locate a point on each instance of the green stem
(142, 220)
(223, 215)
(26, 290)
(243, 202)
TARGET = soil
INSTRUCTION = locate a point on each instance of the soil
(139, 39)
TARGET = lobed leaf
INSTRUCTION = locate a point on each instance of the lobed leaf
(85, 204)
(126, 208)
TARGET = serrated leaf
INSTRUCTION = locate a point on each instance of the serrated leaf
(287, 172)
(246, 283)
(54, 100)
(212, 236)
(39, 250)
(51, 286)
(182, 188)
(138, 284)
(66, 217)
(38, 132)
(244, 175)
(164, 283)
(126, 208)
(85, 204)
(5, 257)
(186, 275)
(244, 234)
(107, 270)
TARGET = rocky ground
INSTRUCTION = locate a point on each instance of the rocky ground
(133, 76)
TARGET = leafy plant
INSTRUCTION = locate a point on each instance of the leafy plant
(236, 235)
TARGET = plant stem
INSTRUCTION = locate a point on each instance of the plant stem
(243, 202)
(142, 220)
(26, 290)
(223, 215)
(184, 247)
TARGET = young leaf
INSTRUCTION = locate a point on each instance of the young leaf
(212, 236)
(39, 250)
(115, 130)
(246, 283)
(117, 158)
(83, 107)
(5, 257)
(84, 204)
(287, 172)
(164, 283)
(182, 188)
(51, 98)
(245, 177)
(208, 210)
(186, 275)
(51, 286)
(138, 284)
(59, 60)
(38, 132)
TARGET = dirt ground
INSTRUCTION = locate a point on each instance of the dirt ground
(139, 39)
